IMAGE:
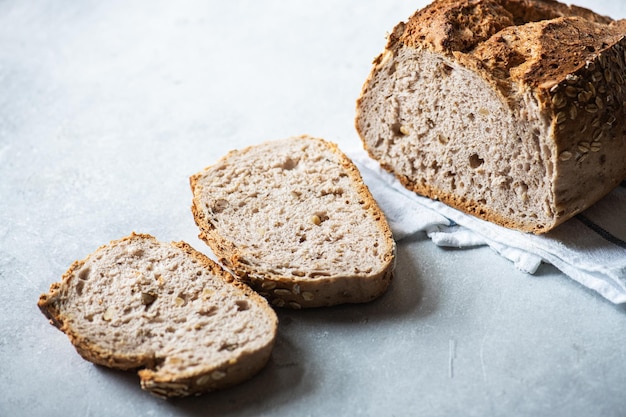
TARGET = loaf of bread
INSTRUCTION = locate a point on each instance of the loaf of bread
(166, 309)
(293, 219)
(510, 110)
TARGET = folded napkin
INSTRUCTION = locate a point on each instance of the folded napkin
(590, 248)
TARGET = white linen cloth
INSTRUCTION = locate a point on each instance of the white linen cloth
(590, 248)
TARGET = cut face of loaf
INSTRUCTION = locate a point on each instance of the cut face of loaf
(512, 111)
(164, 308)
(293, 219)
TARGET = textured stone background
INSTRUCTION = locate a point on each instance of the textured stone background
(106, 108)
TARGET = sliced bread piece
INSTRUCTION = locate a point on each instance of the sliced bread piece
(294, 220)
(164, 308)
(510, 110)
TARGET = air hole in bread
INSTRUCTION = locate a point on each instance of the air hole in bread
(219, 205)
(446, 69)
(228, 346)
(475, 161)
(332, 191)
(288, 164)
(242, 305)
(84, 274)
(395, 129)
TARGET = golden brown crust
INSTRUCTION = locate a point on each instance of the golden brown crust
(449, 26)
(570, 59)
(224, 375)
(288, 292)
(86, 348)
(212, 377)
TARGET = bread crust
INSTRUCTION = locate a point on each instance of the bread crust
(305, 292)
(565, 60)
(212, 376)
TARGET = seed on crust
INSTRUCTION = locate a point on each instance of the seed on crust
(565, 156)
(281, 292)
(595, 122)
(217, 375)
(278, 302)
(591, 89)
(599, 103)
(204, 379)
(611, 120)
(583, 147)
(268, 285)
(597, 135)
(571, 92)
(595, 146)
(582, 97)
(558, 101)
(174, 386)
(561, 117)
(596, 76)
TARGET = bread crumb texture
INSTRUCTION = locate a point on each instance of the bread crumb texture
(293, 218)
(510, 110)
(165, 309)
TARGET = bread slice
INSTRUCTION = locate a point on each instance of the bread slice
(294, 220)
(166, 309)
(510, 110)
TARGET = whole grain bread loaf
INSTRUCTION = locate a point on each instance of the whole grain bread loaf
(166, 309)
(294, 220)
(510, 110)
